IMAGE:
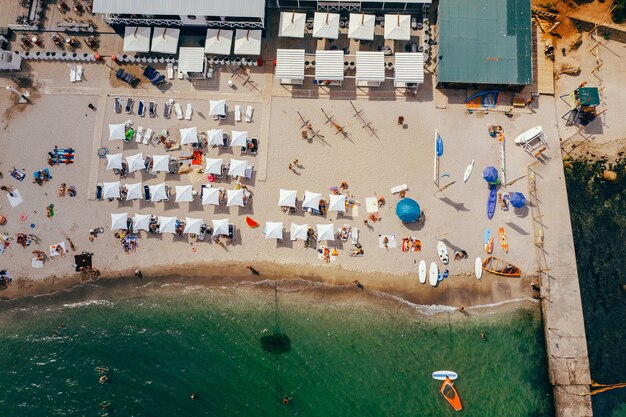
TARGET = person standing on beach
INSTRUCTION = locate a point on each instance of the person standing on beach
(254, 271)
(7, 189)
(358, 284)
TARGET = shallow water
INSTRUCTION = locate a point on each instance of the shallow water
(161, 343)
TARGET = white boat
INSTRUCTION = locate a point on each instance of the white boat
(529, 135)
(442, 249)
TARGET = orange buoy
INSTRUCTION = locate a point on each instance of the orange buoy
(103, 379)
(3, 219)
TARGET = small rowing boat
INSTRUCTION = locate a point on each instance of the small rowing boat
(450, 394)
(500, 267)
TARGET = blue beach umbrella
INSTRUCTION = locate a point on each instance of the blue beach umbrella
(490, 174)
(408, 210)
(517, 200)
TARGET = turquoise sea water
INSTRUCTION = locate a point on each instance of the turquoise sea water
(161, 343)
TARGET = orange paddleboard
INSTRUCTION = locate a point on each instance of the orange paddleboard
(451, 395)
(489, 245)
(503, 241)
(251, 223)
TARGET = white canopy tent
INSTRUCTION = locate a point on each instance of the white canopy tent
(111, 189)
(134, 191)
(290, 66)
(217, 107)
(141, 222)
(161, 163)
(287, 198)
(238, 138)
(135, 162)
(220, 227)
(213, 166)
(158, 192)
(247, 42)
(311, 200)
(215, 137)
(192, 62)
(117, 132)
(299, 231)
(370, 68)
(325, 232)
(211, 195)
(237, 168)
(218, 42)
(167, 224)
(337, 202)
(188, 135)
(184, 193)
(292, 25)
(192, 225)
(119, 221)
(409, 68)
(326, 25)
(329, 66)
(398, 27)
(114, 161)
(234, 198)
(137, 39)
(165, 40)
(361, 26)
(273, 230)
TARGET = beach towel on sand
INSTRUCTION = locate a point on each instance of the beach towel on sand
(393, 242)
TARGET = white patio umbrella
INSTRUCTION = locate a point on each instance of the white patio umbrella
(325, 232)
(188, 136)
(192, 225)
(165, 40)
(218, 41)
(299, 231)
(238, 138)
(234, 198)
(213, 166)
(161, 163)
(111, 189)
(292, 25)
(211, 195)
(311, 200)
(247, 42)
(167, 224)
(184, 193)
(326, 25)
(114, 161)
(273, 230)
(217, 107)
(158, 192)
(215, 137)
(141, 222)
(361, 26)
(137, 39)
(287, 198)
(134, 191)
(337, 203)
(117, 132)
(398, 27)
(220, 227)
(135, 162)
(119, 221)
(237, 168)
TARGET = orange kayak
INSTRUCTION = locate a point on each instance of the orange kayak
(451, 395)
(489, 245)
(503, 241)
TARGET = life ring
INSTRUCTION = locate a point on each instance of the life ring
(103, 379)
(211, 178)
(193, 249)
(23, 217)
(285, 400)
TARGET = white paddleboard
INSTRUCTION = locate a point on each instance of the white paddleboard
(529, 135)
(478, 268)
(422, 271)
(468, 171)
(433, 274)
(441, 375)
(442, 249)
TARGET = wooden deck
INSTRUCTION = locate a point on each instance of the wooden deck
(545, 67)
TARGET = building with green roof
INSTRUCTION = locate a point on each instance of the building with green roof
(484, 43)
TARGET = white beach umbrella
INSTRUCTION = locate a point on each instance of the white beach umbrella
(114, 161)
(311, 200)
(215, 137)
(184, 193)
(119, 221)
(213, 166)
(234, 198)
(326, 25)
(361, 26)
(217, 107)
(398, 27)
(111, 189)
(218, 41)
(299, 231)
(141, 222)
(167, 224)
(325, 232)
(135, 162)
(292, 25)
(134, 191)
(273, 230)
(188, 135)
(161, 163)
(237, 168)
(192, 225)
(137, 39)
(117, 132)
(337, 203)
(247, 42)
(238, 138)
(287, 198)
(220, 227)
(158, 192)
(211, 195)
(165, 40)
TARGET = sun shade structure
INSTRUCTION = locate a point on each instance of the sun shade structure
(111, 189)
(325, 232)
(311, 200)
(215, 137)
(329, 65)
(158, 192)
(370, 68)
(192, 61)
(114, 161)
(165, 40)
(141, 222)
(213, 166)
(247, 42)
(408, 210)
(117, 132)
(218, 41)
(361, 26)
(134, 191)
(409, 68)
(188, 135)
(167, 224)
(398, 27)
(237, 168)
(161, 163)
(184, 193)
(230, 8)
(299, 231)
(211, 195)
(192, 225)
(337, 203)
(292, 25)
(287, 198)
(119, 221)
(217, 107)
(135, 162)
(238, 138)
(220, 227)
(273, 230)
(137, 39)
(234, 198)
(326, 25)
(290, 66)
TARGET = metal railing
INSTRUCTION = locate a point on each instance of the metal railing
(112, 19)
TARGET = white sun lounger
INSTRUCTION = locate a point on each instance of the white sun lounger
(139, 135)
(79, 73)
(399, 188)
(237, 113)
(147, 137)
(72, 72)
(170, 71)
(354, 235)
(249, 111)
(188, 111)
(179, 111)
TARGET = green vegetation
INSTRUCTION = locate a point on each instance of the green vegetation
(619, 12)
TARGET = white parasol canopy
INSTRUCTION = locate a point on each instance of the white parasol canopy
(273, 230)
(167, 224)
(220, 227)
(215, 137)
(238, 138)
(135, 162)
(234, 198)
(134, 191)
(111, 189)
(287, 198)
(165, 40)
(311, 200)
(188, 135)
(161, 163)
(361, 26)
(117, 132)
(292, 25)
(398, 27)
(247, 42)
(237, 168)
(325, 232)
(192, 225)
(184, 193)
(141, 222)
(158, 192)
(337, 203)
(114, 161)
(299, 231)
(218, 42)
(326, 25)
(213, 166)
(119, 221)
(137, 39)
(211, 195)
(217, 107)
